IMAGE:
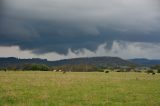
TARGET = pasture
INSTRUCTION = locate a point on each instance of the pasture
(37, 88)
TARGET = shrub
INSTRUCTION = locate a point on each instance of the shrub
(106, 71)
(158, 71)
(100, 70)
(36, 67)
(137, 71)
(120, 70)
(153, 73)
(149, 71)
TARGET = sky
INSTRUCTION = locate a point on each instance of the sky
(60, 29)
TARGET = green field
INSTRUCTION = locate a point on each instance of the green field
(79, 89)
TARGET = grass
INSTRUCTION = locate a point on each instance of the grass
(79, 89)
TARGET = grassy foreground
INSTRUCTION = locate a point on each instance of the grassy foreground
(79, 89)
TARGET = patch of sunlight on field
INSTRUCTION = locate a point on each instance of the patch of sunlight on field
(79, 89)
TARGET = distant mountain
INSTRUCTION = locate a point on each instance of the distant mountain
(145, 62)
(4, 62)
(97, 61)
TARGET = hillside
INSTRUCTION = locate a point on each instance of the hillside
(145, 62)
(97, 61)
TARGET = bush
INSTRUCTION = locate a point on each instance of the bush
(149, 71)
(120, 70)
(36, 67)
(3, 69)
(100, 70)
(158, 71)
(137, 71)
(106, 71)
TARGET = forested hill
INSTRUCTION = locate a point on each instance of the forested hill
(97, 61)
(145, 62)
(4, 62)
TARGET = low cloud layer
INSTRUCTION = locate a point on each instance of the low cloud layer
(46, 26)
(124, 50)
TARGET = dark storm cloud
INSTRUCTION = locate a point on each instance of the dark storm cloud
(57, 25)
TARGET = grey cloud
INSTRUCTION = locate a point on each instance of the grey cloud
(58, 25)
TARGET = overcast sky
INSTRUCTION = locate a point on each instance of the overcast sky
(58, 29)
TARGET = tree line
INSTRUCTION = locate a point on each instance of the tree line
(44, 67)
(74, 68)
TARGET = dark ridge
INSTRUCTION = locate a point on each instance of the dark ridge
(96, 61)
(145, 62)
